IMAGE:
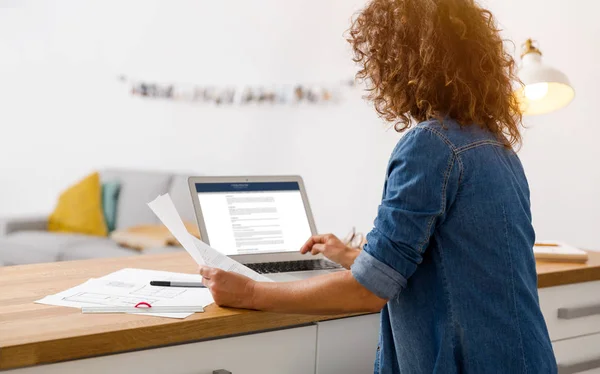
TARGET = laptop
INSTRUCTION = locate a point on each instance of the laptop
(261, 222)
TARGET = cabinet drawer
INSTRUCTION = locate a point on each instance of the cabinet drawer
(578, 355)
(571, 310)
(347, 345)
(285, 351)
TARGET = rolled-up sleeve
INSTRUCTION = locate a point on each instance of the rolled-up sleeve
(377, 277)
(422, 181)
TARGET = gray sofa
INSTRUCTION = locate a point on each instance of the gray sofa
(26, 240)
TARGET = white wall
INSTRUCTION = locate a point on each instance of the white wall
(67, 114)
(64, 114)
(560, 151)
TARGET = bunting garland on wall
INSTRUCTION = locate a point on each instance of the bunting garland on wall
(242, 95)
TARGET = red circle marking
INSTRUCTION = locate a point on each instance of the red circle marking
(143, 303)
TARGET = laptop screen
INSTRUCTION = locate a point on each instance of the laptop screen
(254, 217)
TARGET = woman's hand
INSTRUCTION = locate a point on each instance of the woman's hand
(228, 288)
(332, 248)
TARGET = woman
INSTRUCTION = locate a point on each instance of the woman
(449, 262)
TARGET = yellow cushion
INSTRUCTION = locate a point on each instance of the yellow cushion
(79, 209)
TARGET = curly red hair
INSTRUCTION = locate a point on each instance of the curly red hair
(429, 59)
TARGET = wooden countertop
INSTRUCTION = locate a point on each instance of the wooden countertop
(552, 274)
(32, 334)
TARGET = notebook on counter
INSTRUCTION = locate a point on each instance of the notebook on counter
(558, 252)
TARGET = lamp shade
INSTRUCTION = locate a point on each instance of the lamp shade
(544, 89)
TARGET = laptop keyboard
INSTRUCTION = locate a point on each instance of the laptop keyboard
(290, 266)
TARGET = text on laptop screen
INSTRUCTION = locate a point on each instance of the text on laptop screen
(254, 217)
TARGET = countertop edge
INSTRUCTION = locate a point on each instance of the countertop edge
(95, 345)
(570, 276)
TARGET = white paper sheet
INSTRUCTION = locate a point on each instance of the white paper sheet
(127, 287)
(216, 259)
(556, 247)
(201, 252)
(165, 210)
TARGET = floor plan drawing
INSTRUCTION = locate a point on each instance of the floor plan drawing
(106, 299)
(166, 292)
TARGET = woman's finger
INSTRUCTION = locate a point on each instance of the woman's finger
(317, 248)
(306, 246)
(205, 271)
(315, 239)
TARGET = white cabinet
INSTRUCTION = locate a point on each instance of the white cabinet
(571, 310)
(572, 314)
(578, 355)
(291, 351)
(347, 345)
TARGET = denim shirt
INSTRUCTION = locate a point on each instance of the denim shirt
(451, 249)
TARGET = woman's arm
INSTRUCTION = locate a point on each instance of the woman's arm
(333, 293)
(327, 294)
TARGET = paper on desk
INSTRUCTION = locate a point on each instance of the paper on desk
(127, 287)
(146, 276)
(556, 247)
(201, 252)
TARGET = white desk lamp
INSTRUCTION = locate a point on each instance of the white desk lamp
(545, 88)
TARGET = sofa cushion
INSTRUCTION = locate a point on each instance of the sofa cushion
(79, 209)
(48, 245)
(180, 194)
(110, 199)
(52, 247)
(138, 188)
(51, 244)
(12, 253)
(95, 249)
